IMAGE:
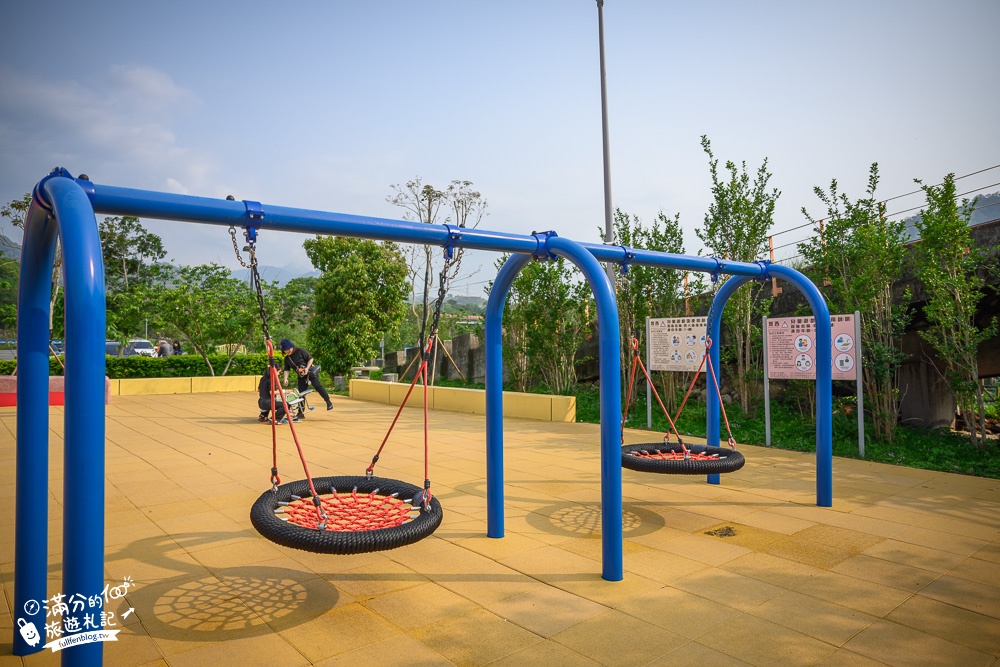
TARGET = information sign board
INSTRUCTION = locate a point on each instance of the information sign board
(791, 353)
(676, 343)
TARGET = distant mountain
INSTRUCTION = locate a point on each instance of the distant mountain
(9, 249)
(473, 304)
(279, 274)
(987, 209)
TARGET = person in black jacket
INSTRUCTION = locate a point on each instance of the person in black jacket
(302, 362)
(264, 389)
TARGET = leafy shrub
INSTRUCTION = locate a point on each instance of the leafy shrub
(185, 365)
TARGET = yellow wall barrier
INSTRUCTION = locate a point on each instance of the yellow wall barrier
(545, 407)
(195, 385)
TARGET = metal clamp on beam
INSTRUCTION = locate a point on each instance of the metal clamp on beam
(255, 218)
(719, 266)
(629, 256)
(38, 194)
(764, 265)
(542, 252)
(454, 234)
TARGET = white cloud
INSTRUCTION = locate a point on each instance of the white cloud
(173, 185)
(117, 127)
(145, 87)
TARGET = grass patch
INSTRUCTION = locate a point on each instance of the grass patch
(914, 447)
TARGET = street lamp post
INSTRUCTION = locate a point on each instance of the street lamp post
(609, 236)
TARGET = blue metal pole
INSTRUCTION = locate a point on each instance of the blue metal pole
(611, 402)
(824, 382)
(494, 392)
(166, 206)
(143, 203)
(32, 473)
(712, 401)
(61, 206)
(83, 478)
(666, 260)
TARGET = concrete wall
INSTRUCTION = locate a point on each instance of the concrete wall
(139, 386)
(196, 385)
(470, 357)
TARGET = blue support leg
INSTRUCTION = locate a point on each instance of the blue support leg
(611, 402)
(32, 473)
(494, 393)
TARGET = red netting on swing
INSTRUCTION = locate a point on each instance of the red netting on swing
(669, 454)
(350, 512)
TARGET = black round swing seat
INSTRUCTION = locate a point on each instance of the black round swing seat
(668, 459)
(364, 514)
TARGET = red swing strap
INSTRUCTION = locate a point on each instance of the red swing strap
(421, 374)
(432, 340)
(637, 362)
(272, 369)
(718, 392)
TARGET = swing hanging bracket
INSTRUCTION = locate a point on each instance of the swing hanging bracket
(454, 234)
(629, 255)
(255, 218)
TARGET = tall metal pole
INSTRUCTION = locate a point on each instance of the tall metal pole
(609, 236)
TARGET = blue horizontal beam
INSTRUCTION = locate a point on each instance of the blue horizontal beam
(113, 200)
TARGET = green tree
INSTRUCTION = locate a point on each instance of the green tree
(546, 318)
(855, 255)
(129, 252)
(464, 208)
(736, 228)
(947, 263)
(9, 274)
(10, 268)
(360, 295)
(647, 291)
(15, 211)
(294, 307)
(207, 306)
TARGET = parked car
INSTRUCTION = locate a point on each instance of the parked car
(142, 346)
(113, 348)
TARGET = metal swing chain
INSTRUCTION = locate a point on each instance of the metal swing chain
(442, 293)
(251, 248)
(254, 279)
(236, 246)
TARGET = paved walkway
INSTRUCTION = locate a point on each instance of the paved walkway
(903, 570)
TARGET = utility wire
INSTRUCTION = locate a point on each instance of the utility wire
(961, 194)
(977, 208)
(958, 178)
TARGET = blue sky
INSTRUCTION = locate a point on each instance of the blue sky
(325, 105)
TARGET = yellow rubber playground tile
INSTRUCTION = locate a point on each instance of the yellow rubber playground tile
(904, 569)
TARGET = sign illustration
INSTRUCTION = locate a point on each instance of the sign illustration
(676, 343)
(791, 343)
